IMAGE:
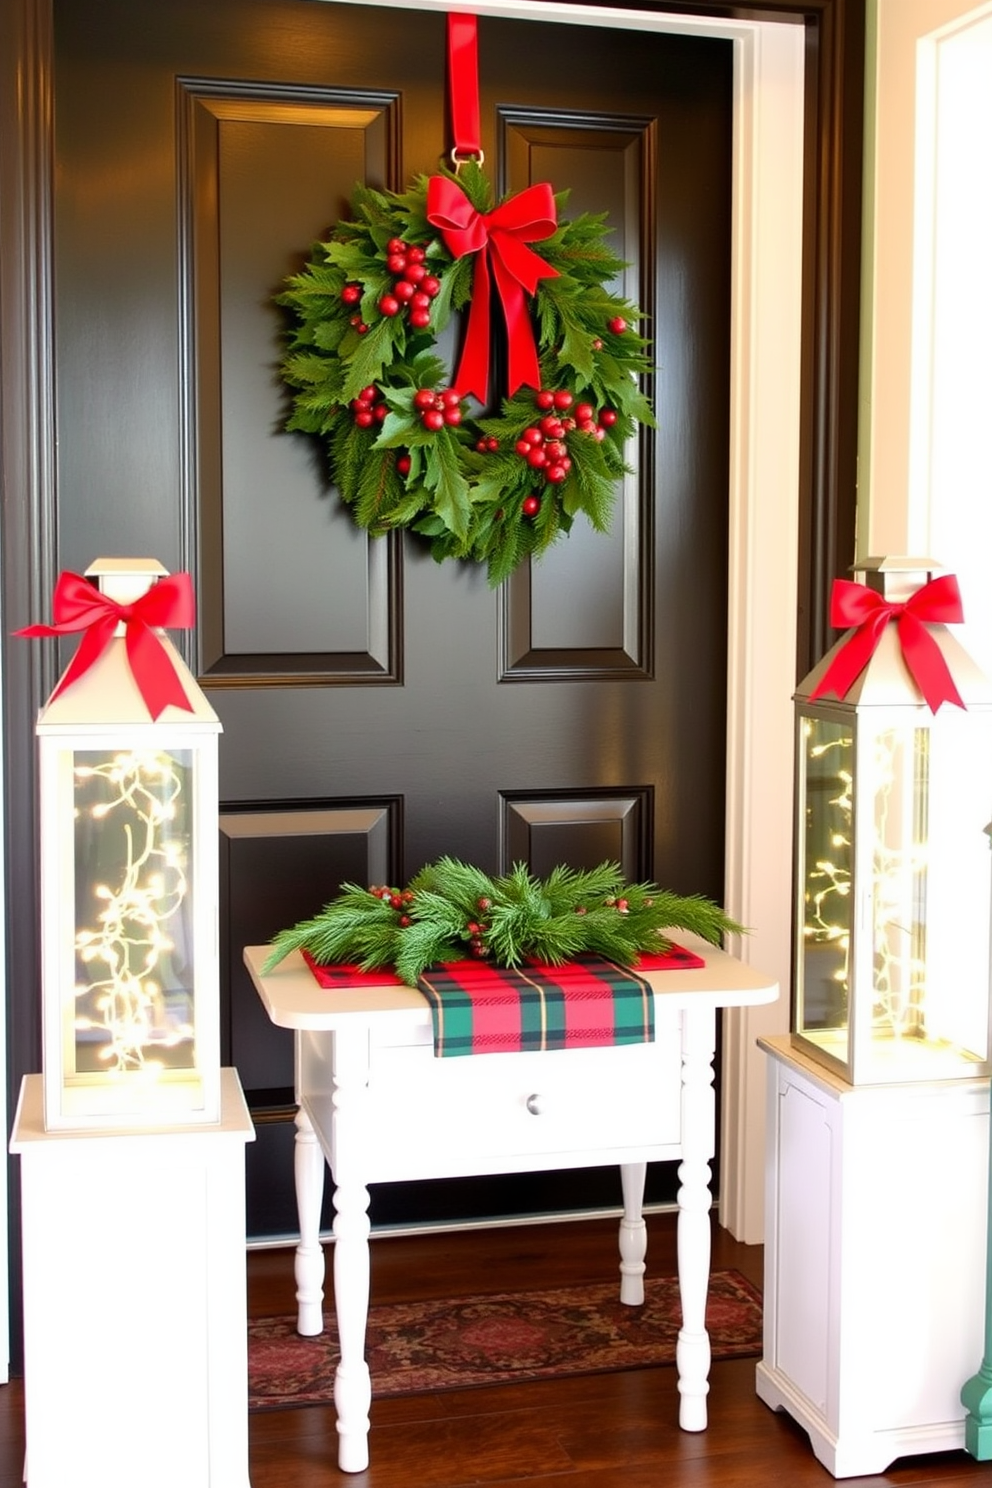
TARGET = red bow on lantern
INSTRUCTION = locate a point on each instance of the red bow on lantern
(938, 602)
(500, 238)
(78, 606)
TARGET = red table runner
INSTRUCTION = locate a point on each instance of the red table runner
(476, 1008)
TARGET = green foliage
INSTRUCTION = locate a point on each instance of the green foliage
(451, 910)
(355, 927)
(468, 502)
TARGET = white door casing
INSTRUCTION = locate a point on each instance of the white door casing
(4, 1297)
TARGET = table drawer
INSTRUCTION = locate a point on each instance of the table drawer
(425, 1116)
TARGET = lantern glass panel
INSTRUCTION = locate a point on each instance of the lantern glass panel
(926, 891)
(900, 776)
(895, 872)
(943, 1007)
(826, 870)
(134, 951)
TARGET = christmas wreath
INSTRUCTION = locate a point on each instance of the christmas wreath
(409, 445)
(451, 910)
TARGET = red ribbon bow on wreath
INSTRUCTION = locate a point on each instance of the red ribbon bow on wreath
(938, 602)
(78, 606)
(500, 239)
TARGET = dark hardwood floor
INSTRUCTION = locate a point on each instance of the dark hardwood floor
(603, 1431)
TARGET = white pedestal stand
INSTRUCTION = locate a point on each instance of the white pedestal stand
(875, 1227)
(135, 1310)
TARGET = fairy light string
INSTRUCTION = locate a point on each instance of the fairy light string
(898, 857)
(123, 1001)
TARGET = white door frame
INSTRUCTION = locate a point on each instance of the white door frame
(769, 84)
(4, 1247)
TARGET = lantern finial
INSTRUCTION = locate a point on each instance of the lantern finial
(125, 579)
(896, 578)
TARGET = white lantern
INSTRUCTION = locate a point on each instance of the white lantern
(892, 859)
(128, 793)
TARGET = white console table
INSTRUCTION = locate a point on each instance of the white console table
(379, 1107)
(135, 1305)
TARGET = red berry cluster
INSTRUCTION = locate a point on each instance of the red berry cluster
(587, 423)
(368, 408)
(398, 899)
(542, 444)
(413, 287)
(351, 295)
(438, 409)
(476, 929)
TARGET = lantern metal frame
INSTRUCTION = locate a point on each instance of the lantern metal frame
(129, 893)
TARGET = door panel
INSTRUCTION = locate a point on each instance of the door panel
(261, 166)
(553, 626)
(269, 864)
(380, 710)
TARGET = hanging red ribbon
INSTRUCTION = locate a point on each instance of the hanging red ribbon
(499, 237)
(463, 83)
(938, 602)
(78, 606)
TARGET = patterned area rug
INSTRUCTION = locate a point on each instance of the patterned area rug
(414, 1348)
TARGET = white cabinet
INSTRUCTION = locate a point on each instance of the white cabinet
(874, 1260)
(135, 1308)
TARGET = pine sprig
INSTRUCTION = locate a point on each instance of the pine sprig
(466, 486)
(356, 927)
(452, 910)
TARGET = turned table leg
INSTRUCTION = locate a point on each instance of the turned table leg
(309, 1263)
(352, 1381)
(698, 1124)
(633, 1234)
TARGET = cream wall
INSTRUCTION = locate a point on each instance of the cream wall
(925, 468)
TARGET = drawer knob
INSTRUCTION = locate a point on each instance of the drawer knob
(536, 1104)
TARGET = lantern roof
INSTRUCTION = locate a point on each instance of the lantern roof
(886, 680)
(106, 696)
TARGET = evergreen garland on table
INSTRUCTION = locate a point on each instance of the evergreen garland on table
(451, 910)
(403, 450)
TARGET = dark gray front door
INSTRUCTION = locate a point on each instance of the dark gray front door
(380, 710)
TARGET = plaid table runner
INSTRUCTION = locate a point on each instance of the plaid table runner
(588, 1002)
(481, 1009)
